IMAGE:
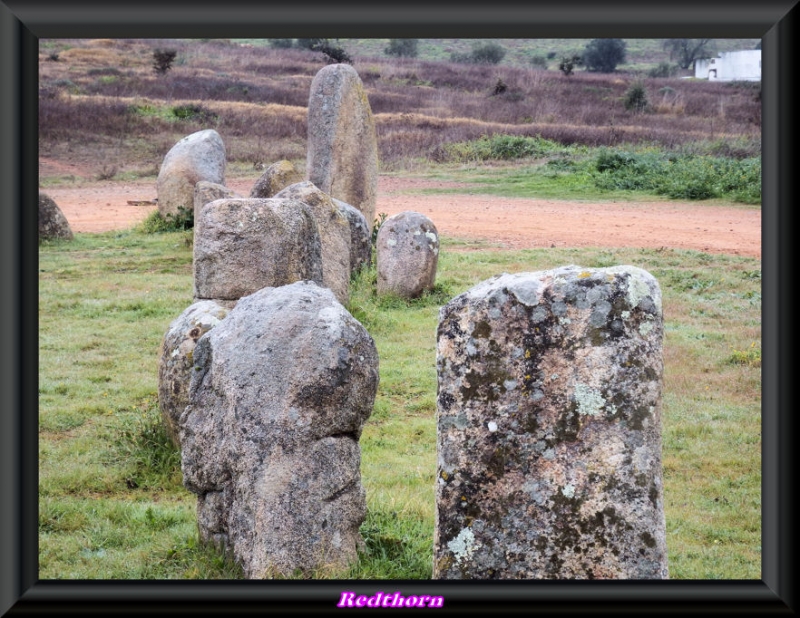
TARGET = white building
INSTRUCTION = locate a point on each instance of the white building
(730, 66)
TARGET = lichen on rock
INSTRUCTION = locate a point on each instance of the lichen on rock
(554, 464)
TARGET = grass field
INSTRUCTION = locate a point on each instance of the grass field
(111, 500)
(112, 505)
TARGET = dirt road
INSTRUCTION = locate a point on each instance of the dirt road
(513, 222)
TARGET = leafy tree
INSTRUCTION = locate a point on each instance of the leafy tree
(664, 69)
(568, 64)
(402, 47)
(281, 43)
(636, 98)
(489, 53)
(540, 62)
(686, 51)
(309, 43)
(603, 55)
(163, 59)
(331, 51)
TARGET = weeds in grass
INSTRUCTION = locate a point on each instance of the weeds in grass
(156, 223)
(145, 445)
(750, 356)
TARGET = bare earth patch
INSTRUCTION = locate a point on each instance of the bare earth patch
(513, 222)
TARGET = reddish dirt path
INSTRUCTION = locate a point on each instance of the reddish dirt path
(513, 222)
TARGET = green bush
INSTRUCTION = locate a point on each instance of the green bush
(664, 69)
(156, 223)
(405, 48)
(281, 43)
(146, 446)
(568, 64)
(502, 148)
(603, 55)
(636, 98)
(680, 176)
(194, 112)
(540, 62)
(163, 59)
(488, 53)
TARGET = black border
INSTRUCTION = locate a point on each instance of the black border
(23, 22)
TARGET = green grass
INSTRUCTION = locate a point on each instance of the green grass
(111, 502)
(554, 171)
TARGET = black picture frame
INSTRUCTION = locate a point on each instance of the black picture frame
(24, 22)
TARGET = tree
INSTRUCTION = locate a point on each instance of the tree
(163, 59)
(636, 98)
(281, 43)
(686, 51)
(328, 48)
(402, 47)
(489, 53)
(603, 55)
(568, 64)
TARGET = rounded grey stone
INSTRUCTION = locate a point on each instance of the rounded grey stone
(407, 251)
(196, 157)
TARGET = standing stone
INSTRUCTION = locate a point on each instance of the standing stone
(407, 250)
(276, 177)
(243, 245)
(360, 237)
(342, 157)
(177, 360)
(281, 390)
(549, 428)
(205, 192)
(334, 235)
(199, 156)
(52, 222)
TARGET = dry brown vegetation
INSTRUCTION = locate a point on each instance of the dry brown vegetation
(101, 103)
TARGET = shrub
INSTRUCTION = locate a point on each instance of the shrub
(281, 43)
(540, 62)
(163, 59)
(194, 112)
(636, 98)
(402, 48)
(664, 69)
(603, 55)
(568, 64)
(489, 53)
(146, 446)
(331, 51)
(156, 223)
(679, 176)
(500, 87)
